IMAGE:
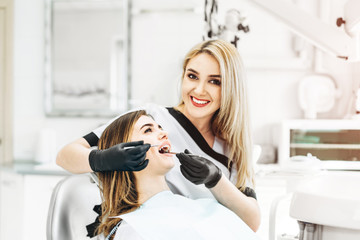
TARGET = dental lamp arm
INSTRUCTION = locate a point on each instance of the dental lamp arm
(324, 36)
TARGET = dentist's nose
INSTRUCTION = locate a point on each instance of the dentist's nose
(200, 88)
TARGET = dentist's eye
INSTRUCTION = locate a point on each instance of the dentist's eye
(191, 76)
(216, 82)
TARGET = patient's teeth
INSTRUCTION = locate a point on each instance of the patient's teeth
(164, 149)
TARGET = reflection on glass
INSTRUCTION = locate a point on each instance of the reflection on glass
(88, 62)
(326, 144)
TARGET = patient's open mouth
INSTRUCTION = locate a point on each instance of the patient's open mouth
(164, 149)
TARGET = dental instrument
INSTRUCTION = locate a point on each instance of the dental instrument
(151, 146)
(161, 151)
(301, 227)
(136, 146)
(310, 229)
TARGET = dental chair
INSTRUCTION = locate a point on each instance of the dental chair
(71, 208)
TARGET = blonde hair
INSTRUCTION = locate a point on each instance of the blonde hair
(118, 189)
(231, 123)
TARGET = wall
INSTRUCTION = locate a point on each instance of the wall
(29, 118)
(273, 71)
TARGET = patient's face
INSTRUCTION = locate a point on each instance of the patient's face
(149, 131)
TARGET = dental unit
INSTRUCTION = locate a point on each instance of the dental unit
(327, 206)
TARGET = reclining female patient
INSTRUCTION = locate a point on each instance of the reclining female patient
(144, 202)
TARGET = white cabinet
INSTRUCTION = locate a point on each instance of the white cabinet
(37, 193)
(24, 203)
(274, 192)
(11, 207)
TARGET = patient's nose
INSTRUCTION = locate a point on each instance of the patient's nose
(163, 134)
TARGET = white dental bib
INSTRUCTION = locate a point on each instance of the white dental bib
(171, 216)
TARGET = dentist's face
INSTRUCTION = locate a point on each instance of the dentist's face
(201, 87)
(149, 131)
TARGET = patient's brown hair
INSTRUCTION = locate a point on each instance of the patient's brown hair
(118, 189)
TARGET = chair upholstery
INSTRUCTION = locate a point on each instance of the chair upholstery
(71, 208)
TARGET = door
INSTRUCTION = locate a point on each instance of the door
(6, 13)
(2, 80)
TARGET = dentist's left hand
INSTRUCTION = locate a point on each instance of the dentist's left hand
(199, 170)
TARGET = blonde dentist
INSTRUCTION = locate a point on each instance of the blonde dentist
(211, 121)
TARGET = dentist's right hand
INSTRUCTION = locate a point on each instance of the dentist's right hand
(128, 156)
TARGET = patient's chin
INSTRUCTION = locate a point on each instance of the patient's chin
(171, 164)
(160, 163)
(168, 165)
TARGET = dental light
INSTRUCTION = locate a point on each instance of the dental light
(230, 30)
(329, 38)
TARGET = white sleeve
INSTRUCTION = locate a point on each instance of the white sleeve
(126, 231)
(98, 131)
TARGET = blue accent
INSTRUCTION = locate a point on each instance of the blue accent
(113, 231)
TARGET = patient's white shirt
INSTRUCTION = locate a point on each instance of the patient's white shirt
(171, 216)
(126, 232)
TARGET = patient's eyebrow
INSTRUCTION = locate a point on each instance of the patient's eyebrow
(147, 125)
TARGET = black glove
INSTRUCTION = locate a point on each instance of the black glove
(120, 157)
(199, 170)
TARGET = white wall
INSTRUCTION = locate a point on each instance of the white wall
(29, 117)
(274, 71)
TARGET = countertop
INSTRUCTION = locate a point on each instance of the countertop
(28, 167)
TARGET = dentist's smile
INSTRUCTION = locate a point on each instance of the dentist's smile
(199, 102)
